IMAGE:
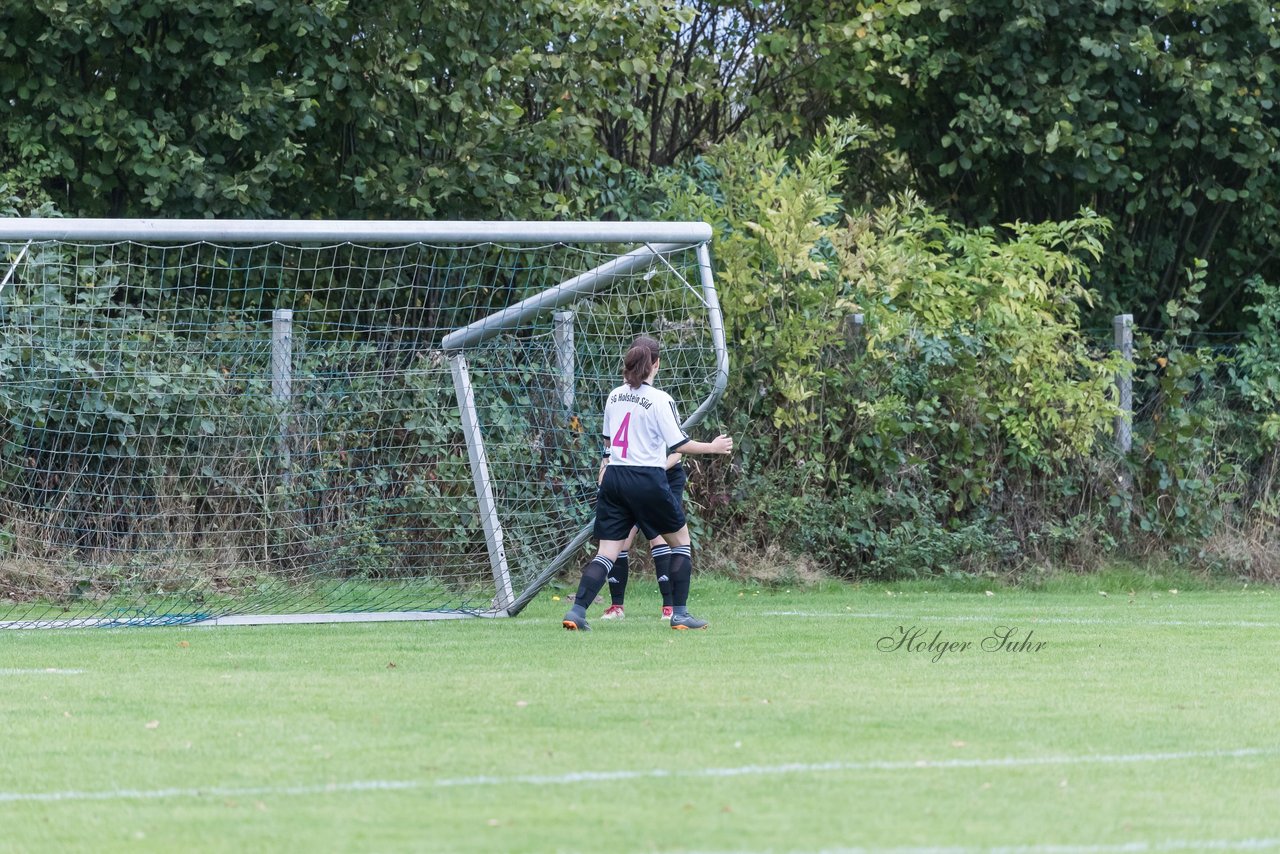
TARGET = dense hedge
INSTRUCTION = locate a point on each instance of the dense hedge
(965, 426)
(962, 427)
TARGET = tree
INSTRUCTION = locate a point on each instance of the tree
(721, 68)
(1162, 116)
(320, 107)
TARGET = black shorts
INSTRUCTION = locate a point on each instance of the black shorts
(677, 477)
(636, 496)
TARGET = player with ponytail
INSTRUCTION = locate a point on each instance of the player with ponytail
(641, 427)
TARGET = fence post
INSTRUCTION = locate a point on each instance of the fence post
(563, 336)
(1123, 324)
(853, 327)
(282, 379)
(1123, 327)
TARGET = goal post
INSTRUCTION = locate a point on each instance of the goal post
(225, 422)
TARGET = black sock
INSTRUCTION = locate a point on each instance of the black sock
(593, 576)
(681, 572)
(662, 569)
(618, 580)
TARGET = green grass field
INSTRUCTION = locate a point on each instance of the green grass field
(1145, 722)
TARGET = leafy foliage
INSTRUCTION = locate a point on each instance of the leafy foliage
(1257, 366)
(783, 298)
(300, 108)
(1162, 116)
(1186, 467)
(125, 431)
(906, 442)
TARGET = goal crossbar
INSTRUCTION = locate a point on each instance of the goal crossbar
(389, 231)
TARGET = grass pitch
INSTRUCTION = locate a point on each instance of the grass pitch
(841, 718)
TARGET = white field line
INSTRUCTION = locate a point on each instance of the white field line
(34, 671)
(1004, 617)
(1136, 847)
(622, 775)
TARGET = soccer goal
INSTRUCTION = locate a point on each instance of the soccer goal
(258, 421)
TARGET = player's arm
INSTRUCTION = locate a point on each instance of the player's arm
(673, 459)
(669, 422)
(721, 444)
(604, 461)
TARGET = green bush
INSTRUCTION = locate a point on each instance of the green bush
(127, 438)
(958, 428)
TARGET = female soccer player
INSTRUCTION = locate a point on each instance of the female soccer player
(641, 426)
(658, 550)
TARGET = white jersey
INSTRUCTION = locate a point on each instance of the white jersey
(641, 426)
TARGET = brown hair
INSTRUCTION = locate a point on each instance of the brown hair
(639, 361)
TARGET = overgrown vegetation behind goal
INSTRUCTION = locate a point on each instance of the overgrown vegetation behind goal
(195, 429)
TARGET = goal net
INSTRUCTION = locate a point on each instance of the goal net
(252, 421)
